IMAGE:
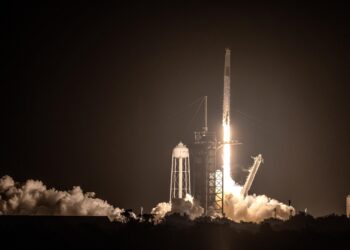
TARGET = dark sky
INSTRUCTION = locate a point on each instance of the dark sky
(98, 96)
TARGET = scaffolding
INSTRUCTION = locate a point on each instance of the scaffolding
(208, 181)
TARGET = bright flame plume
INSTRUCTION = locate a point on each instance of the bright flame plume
(229, 184)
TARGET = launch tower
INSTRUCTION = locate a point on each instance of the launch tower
(209, 174)
(208, 178)
(348, 206)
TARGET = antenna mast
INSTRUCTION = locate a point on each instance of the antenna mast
(205, 128)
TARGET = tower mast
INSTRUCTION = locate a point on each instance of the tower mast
(205, 128)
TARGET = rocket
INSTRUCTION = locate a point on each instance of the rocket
(226, 154)
(226, 102)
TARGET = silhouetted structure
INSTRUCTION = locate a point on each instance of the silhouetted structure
(175, 232)
(348, 206)
(207, 176)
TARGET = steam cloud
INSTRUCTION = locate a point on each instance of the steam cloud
(33, 198)
(254, 208)
(237, 207)
(187, 206)
(161, 210)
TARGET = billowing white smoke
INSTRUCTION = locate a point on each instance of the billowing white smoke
(33, 198)
(251, 208)
(160, 211)
(186, 206)
(237, 207)
(254, 208)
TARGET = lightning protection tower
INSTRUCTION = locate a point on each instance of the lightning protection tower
(348, 206)
(180, 179)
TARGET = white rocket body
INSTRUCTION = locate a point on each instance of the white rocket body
(226, 101)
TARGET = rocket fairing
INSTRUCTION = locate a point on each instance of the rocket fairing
(226, 102)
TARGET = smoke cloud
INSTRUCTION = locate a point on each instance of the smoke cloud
(237, 207)
(251, 208)
(33, 198)
(254, 208)
(187, 206)
(160, 211)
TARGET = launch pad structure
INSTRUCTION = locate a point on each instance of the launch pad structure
(208, 178)
(209, 171)
(207, 182)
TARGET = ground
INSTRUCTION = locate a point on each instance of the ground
(175, 232)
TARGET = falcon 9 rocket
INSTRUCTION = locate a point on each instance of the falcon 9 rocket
(228, 182)
(226, 102)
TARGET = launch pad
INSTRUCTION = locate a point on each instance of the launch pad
(208, 172)
(208, 181)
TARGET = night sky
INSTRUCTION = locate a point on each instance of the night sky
(98, 96)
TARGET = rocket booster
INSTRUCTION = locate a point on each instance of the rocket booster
(226, 103)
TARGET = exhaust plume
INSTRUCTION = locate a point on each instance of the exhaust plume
(252, 208)
(33, 198)
(239, 206)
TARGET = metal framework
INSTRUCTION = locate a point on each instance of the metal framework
(215, 193)
(252, 172)
(208, 181)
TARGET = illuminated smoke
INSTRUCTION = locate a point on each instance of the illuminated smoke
(186, 206)
(160, 211)
(33, 198)
(238, 207)
(252, 208)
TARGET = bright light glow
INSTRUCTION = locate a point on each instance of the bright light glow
(227, 133)
(227, 157)
(229, 184)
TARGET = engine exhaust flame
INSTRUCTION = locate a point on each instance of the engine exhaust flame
(228, 181)
(238, 205)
